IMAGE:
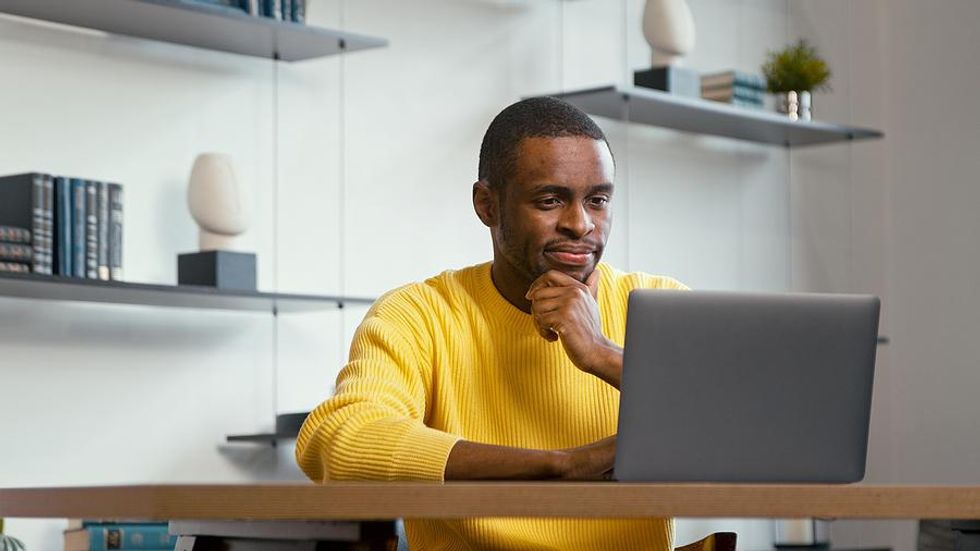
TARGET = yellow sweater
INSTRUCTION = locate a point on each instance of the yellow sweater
(451, 359)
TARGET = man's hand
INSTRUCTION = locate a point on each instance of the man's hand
(475, 461)
(565, 308)
(590, 462)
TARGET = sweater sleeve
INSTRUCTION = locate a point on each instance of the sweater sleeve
(373, 427)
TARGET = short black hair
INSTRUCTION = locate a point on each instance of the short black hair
(540, 117)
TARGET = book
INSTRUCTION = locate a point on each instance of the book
(103, 537)
(15, 267)
(299, 11)
(47, 213)
(76, 523)
(78, 223)
(115, 231)
(22, 206)
(729, 92)
(10, 234)
(102, 225)
(251, 7)
(272, 8)
(321, 530)
(732, 77)
(91, 230)
(287, 10)
(62, 226)
(16, 252)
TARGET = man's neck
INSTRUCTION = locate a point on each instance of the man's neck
(510, 285)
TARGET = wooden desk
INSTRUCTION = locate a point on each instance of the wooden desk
(385, 501)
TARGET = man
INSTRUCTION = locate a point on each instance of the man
(505, 370)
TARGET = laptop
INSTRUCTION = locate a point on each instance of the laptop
(746, 387)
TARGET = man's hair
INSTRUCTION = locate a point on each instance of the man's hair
(541, 117)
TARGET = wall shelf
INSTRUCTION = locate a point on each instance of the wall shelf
(287, 427)
(699, 116)
(179, 296)
(194, 24)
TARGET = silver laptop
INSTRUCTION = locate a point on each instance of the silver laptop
(746, 387)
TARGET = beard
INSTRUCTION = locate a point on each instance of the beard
(530, 263)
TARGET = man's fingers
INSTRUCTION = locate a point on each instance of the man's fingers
(552, 278)
(548, 325)
(592, 282)
(548, 293)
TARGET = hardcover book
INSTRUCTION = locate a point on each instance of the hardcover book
(115, 231)
(16, 252)
(91, 230)
(78, 224)
(10, 234)
(103, 537)
(62, 226)
(102, 222)
(15, 267)
(22, 205)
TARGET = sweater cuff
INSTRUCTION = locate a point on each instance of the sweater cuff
(423, 453)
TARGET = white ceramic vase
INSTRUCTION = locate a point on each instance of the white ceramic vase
(668, 27)
(218, 202)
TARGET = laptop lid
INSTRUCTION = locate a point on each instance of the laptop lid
(746, 387)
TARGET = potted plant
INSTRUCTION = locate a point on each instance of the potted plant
(792, 74)
(8, 543)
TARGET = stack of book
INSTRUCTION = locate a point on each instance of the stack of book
(95, 535)
(283, 10)
(734, 87)
(74, 226)
(16, 250)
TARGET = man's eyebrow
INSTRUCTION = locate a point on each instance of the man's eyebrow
(558, 189)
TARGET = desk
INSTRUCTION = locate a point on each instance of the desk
(362, 501)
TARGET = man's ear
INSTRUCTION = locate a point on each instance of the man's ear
(485, 203)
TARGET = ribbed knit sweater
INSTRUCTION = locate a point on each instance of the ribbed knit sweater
(451, 359)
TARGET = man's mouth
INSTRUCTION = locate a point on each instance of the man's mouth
(570, 256)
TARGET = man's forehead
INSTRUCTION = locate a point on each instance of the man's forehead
(565, 156)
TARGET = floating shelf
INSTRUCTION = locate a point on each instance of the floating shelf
(708, 117)
(287, 427)
(179, 296)
(212, 27)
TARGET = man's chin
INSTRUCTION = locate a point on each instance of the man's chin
(580, 273)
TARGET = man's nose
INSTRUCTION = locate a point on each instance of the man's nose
(576, 221)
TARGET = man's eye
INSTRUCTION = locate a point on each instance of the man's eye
(548, 202)
(598, 201)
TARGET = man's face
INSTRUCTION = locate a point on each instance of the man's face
(555, 211)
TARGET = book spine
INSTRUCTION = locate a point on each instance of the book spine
(78, 227)
(115, 231)
(733, 78)
(62, 226)
(10, 234)
(91, 231)
(102, 221)
(37, 222)
(299, 11)
(12, 252)
(272, 8)
(15, 267)
(48, 225)
(251, 7)
(129, 536)
(740, 92)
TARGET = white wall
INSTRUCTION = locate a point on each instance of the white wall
(913, 235)
(367, 187)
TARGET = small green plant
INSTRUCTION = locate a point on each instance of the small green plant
(796, 68)
(8, 543)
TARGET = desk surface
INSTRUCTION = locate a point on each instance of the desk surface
(377, 501)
